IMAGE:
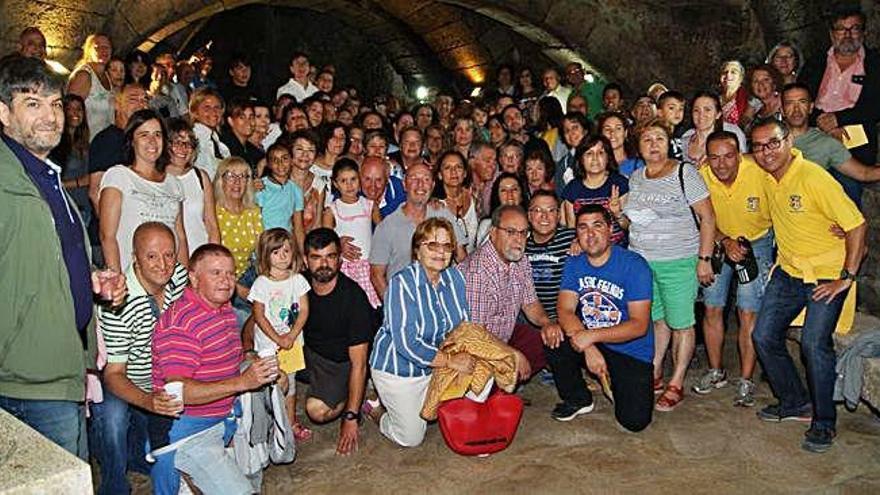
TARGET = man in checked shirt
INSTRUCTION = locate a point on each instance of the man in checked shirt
(498, 280)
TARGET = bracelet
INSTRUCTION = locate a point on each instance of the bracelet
(705, 258)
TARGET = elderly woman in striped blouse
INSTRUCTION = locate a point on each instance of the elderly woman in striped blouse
(425, 301)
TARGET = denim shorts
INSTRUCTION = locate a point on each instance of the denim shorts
(748, 296)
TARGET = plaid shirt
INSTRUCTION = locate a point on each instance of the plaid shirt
(496, 289)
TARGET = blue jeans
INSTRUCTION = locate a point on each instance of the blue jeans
(62, 422)
(119, 435)
(784, 298)
(204, 459)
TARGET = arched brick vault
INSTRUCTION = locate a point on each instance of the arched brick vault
(632, 41)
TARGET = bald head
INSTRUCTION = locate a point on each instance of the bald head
(155, 255)
(374, 177)
(151, 230)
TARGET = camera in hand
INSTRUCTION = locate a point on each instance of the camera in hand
(747, 268)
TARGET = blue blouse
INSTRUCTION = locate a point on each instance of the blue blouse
(417, 318)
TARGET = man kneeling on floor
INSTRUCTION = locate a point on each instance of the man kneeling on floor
(197, 342)
(605, 312)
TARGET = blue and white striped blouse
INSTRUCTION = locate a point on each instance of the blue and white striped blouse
(417, 318)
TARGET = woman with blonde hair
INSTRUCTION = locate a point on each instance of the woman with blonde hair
(238, 216)
(90, 81)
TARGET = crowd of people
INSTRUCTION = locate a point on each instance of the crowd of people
(327, 239)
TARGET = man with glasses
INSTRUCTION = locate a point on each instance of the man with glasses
(498, 280)
(846, 83)
(815, 271)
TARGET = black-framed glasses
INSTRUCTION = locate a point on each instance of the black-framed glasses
(772, 145)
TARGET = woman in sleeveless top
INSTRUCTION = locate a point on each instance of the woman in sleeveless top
(453, 190)
(89, 80)
(199, 217)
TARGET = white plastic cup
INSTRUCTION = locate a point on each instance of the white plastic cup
(175, 390)
(270, 354)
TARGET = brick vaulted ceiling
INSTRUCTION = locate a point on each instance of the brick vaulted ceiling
(633, 41)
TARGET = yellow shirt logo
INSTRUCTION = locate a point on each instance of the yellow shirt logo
(753, 204)
(794, 203)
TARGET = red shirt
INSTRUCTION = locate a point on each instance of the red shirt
(194, 340)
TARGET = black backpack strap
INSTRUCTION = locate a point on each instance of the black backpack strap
(681, 166)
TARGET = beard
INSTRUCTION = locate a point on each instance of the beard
(39, 143)
(847, 46)
(513, 254)
(324, 275)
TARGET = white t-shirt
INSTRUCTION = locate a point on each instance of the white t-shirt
(280, 299)
(355, 220)
(142, 201)
(194, 209)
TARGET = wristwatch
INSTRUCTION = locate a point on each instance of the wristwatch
(846, 275)
(351, 416)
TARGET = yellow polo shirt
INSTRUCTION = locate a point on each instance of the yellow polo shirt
(741, 209)
(803, 206)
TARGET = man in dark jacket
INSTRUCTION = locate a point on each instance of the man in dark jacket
(46, 311)
(846, 82)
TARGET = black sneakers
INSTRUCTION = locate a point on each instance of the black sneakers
(818, 440)
(775, 413)
(565, 411)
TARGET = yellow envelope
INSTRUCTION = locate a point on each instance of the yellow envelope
(857, 136)
(290, 360)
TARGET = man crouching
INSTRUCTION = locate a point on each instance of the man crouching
(197, 342)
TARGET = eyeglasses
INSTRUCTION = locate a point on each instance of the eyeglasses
(183, 144)
(854, 29)
(512, 232)
(438, 247)
(772, 145)
(233, 177)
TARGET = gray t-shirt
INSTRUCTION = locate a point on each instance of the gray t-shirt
(662, 227)
(822, 149)
(393, 237)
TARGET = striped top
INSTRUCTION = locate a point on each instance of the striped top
(128, 329)
(196, 341)
(417, 318)
(547, 261)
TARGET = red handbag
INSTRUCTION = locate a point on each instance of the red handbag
(473, 428)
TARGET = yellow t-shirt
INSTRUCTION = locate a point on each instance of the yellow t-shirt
(239, 233)
(740, 209)
(803, 206)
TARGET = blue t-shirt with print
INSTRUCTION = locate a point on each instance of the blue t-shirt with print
(604, 292)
